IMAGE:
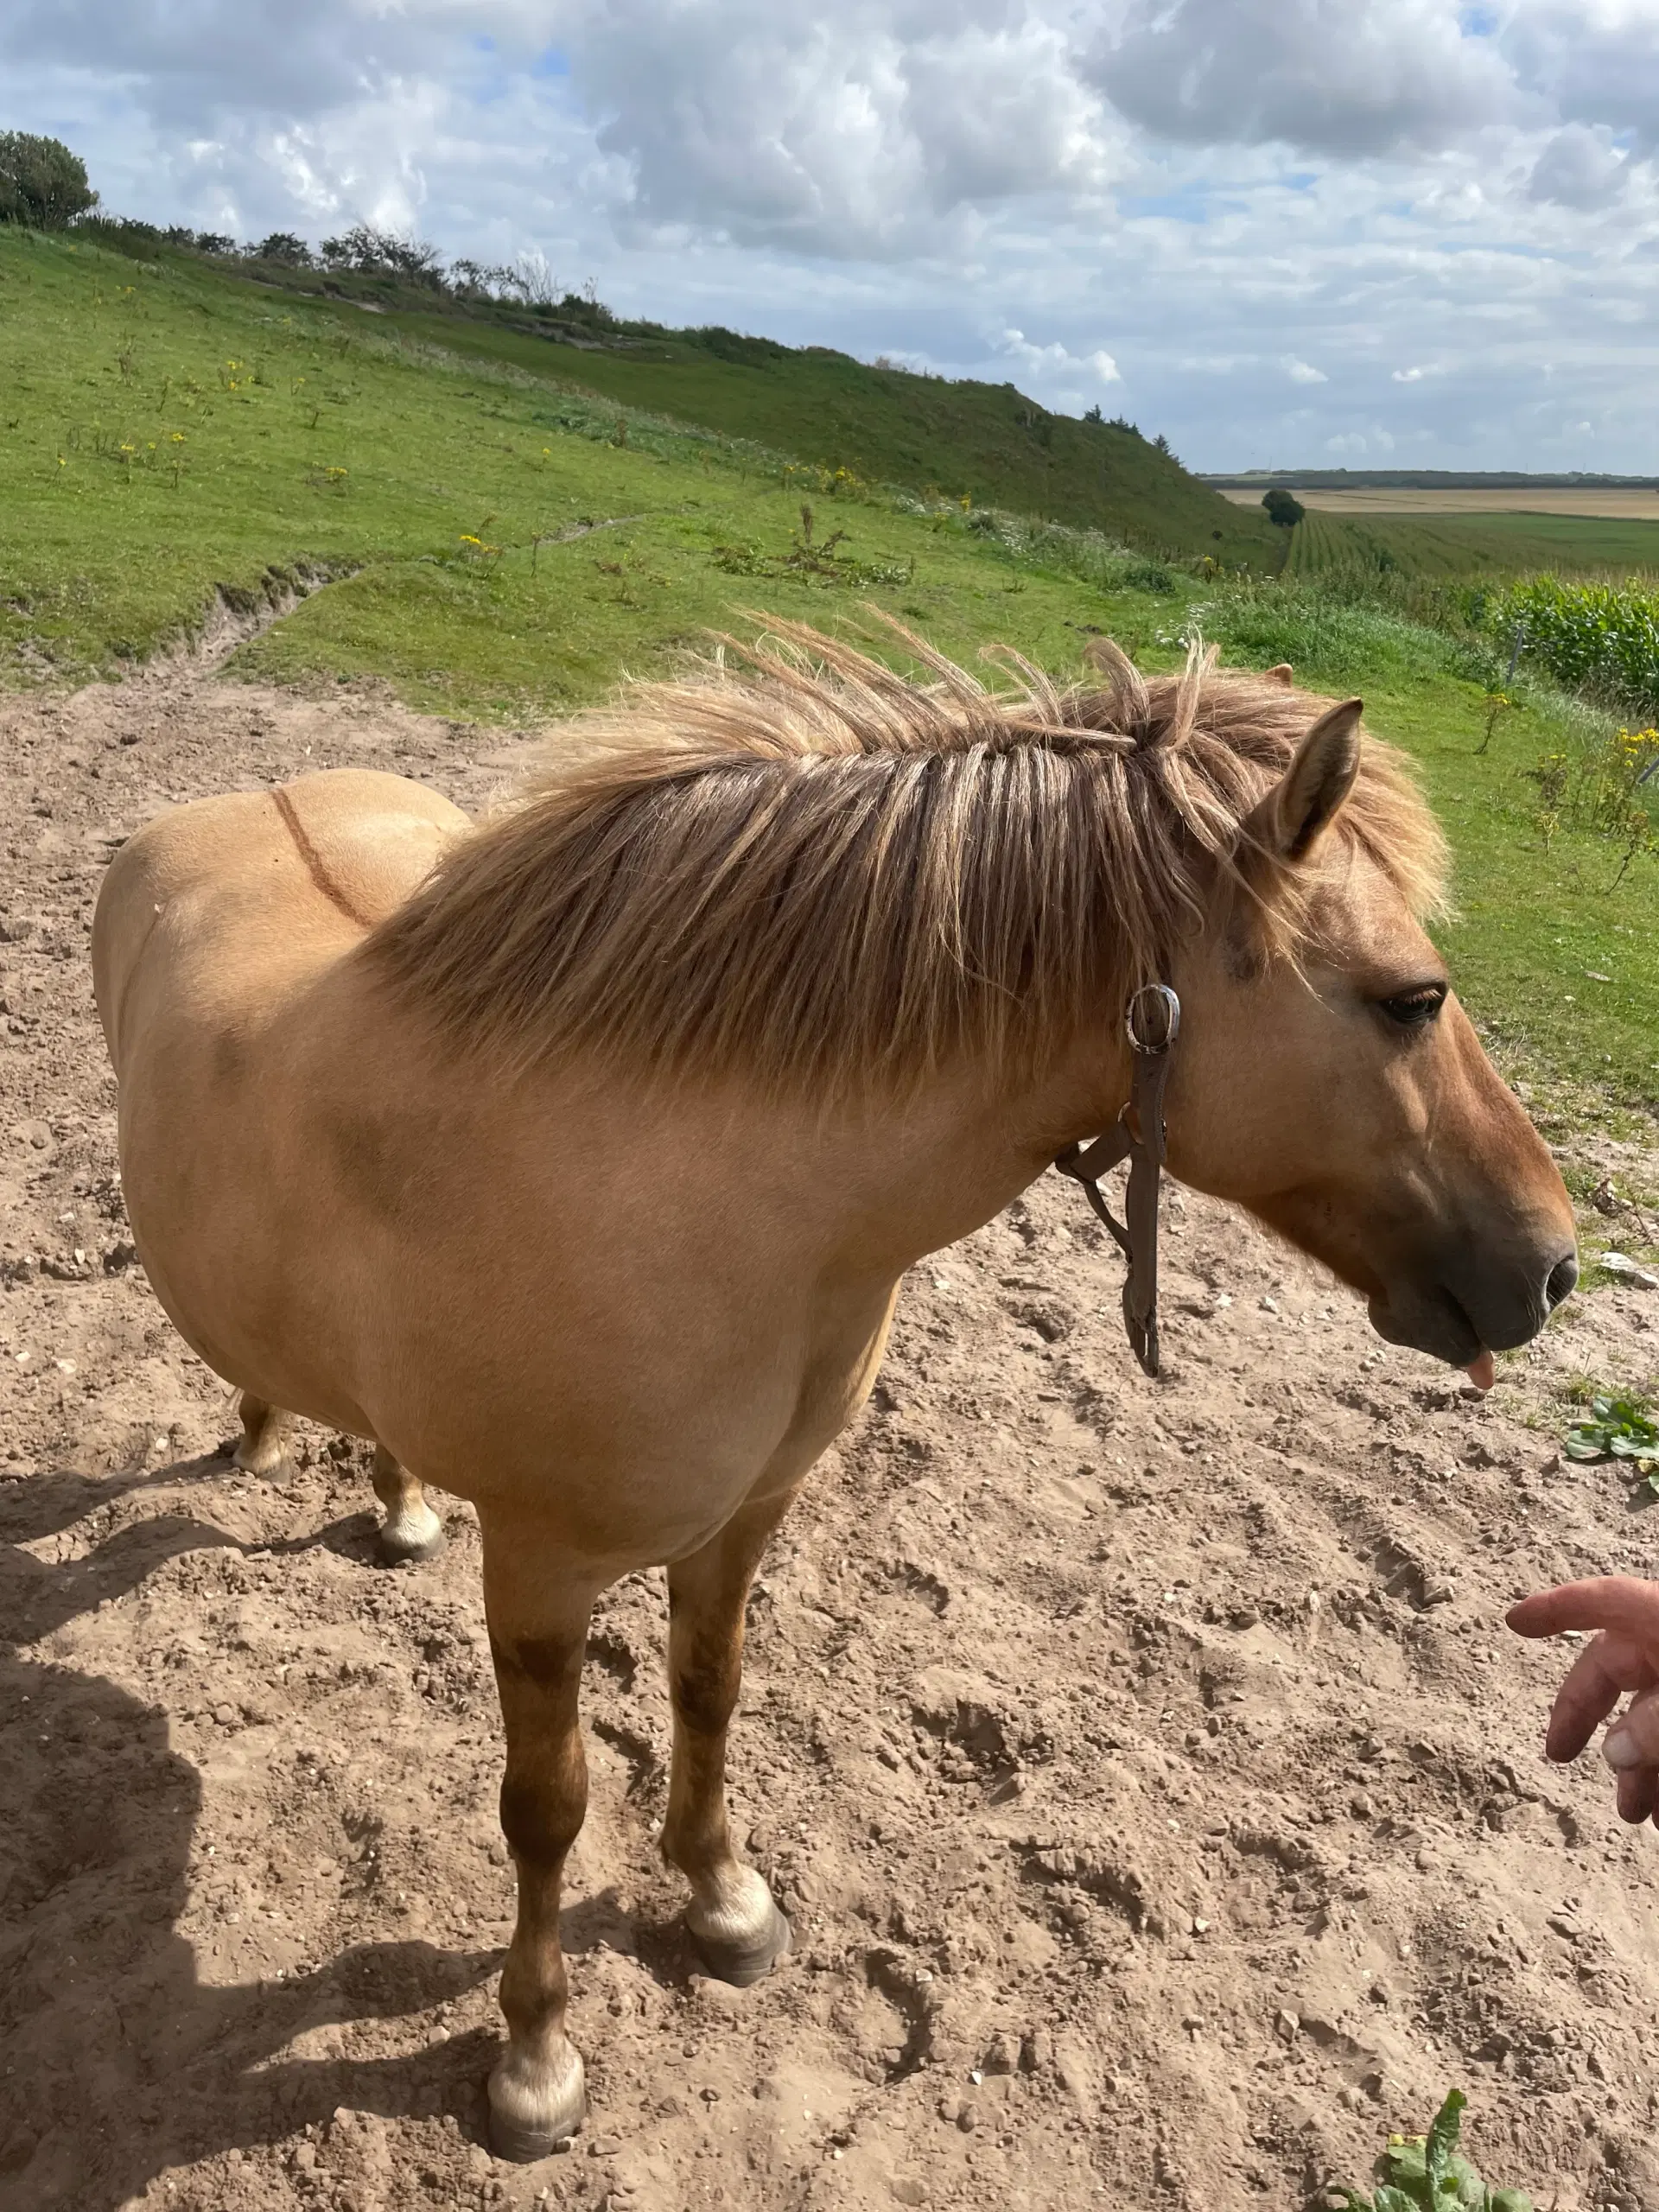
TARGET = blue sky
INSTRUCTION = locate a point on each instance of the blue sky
(1387, 232)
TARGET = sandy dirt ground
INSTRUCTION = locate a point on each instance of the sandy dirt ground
(1157, 1796)
(1635, 504)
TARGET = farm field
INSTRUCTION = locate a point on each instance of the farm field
(1157, 1797)
(1468, 543)
(1610, 503)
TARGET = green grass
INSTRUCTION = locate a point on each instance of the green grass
(1448, 547)
(987, 442)
(336, 445)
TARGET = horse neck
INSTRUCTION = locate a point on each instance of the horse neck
(895, 1179)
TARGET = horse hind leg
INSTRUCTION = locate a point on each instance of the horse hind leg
(262, 1447)
(411, 1530)
(734, 1924)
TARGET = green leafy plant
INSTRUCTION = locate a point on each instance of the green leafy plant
(1619, 1428)
(1429, 2173)
(813, 560)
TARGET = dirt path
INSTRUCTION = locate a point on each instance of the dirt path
(1158, 1799)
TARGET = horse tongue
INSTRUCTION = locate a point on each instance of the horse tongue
(1482, 1372)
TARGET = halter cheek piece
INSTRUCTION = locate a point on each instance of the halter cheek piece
(1152, 1022)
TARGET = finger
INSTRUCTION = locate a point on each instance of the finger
(1599, 1677)
(1633, 1740)
(1611, 1601)
(1638, 1793)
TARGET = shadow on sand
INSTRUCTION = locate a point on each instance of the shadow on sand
(117, 2060)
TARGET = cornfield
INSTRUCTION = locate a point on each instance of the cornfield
(1605, 637)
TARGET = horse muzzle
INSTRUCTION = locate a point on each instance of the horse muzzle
(1464, 1307)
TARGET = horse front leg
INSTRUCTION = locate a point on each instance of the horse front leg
(734, 1924)
(538, 1622)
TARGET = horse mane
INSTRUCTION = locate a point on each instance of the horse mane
(822, 875)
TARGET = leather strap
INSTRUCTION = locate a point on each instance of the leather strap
(1153, 1022)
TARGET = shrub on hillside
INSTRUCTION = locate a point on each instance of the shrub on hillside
(284, 247)
(119, 233)
(737, 346)
(42, 182)
(365, 252)
(1283, 508)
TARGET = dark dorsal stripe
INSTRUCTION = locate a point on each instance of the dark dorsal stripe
(315, 868)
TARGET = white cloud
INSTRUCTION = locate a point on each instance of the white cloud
(1581, 167)
(1592, 61)
(1303, 372)
(1097, 367)
(857, 132)
(1344, 78)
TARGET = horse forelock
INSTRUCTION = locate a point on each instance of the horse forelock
(822, 875)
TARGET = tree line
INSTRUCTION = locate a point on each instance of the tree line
(43, 187)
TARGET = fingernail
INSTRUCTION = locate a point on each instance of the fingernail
(1620, 1749)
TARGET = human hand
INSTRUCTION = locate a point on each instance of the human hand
(1624, 1657)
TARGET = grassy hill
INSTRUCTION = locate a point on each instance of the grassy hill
(502, 544)
(988, 444)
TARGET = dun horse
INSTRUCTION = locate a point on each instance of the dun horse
(574, 1159)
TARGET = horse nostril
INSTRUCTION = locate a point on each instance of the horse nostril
(1562, 1279)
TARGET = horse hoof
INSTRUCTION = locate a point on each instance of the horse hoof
(410, 1550)
(524, 2147)
(745, 1962)
(532, 2112)
(264, 1466)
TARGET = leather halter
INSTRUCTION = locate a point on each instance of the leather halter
(1152, 1022)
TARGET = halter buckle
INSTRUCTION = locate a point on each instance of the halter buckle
(1168, 1027)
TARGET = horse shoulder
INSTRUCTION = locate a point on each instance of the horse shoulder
(290, 874)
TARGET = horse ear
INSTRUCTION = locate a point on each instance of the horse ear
(1280, 673)
(1300, 806)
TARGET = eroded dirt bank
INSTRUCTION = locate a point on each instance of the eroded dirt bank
(1158, 1799)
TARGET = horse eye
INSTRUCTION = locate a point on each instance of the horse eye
(1413, 1009)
